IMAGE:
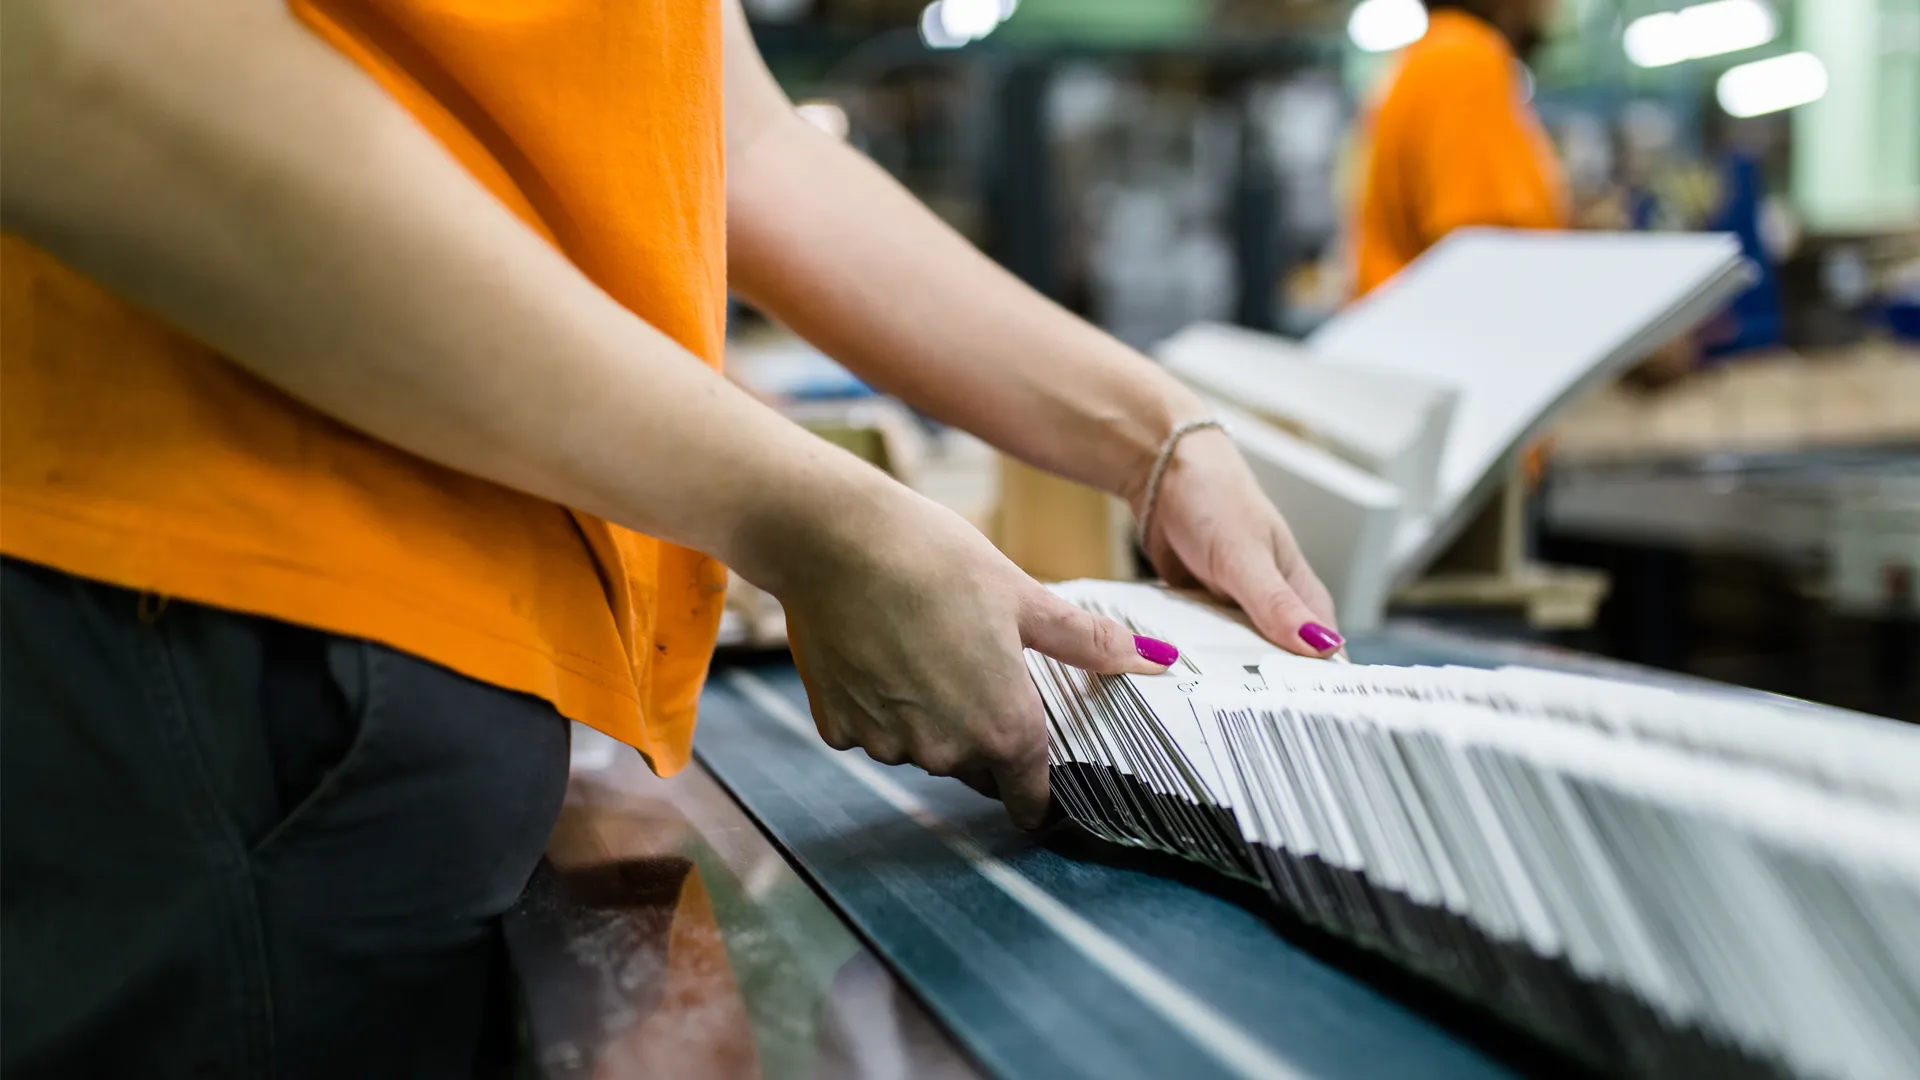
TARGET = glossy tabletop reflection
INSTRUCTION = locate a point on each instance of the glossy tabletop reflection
(668, 938)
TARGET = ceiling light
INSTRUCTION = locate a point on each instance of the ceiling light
(1386, 25)
(969, 19)
(1699, 30)
(1768, 86)
(933, 28)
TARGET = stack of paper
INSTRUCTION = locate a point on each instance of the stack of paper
(1435, 383)
(1662, 883)
(1391, 425)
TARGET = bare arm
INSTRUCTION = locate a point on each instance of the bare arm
(831, 245)
(212, 161)
(828, 243)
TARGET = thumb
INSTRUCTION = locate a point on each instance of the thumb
(1254, 581)
(1091, 642)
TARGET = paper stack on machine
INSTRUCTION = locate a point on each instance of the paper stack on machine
(1661, 882)
(1382, 434)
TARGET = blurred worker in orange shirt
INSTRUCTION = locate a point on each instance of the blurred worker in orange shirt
(1452, 141)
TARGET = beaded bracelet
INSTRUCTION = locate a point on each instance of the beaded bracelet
(1165, 459)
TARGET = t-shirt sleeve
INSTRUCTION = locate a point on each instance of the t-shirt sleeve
(1478, 153)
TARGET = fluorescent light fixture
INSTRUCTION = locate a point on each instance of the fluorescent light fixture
(1699, 30)
(1768, 86)
(1385, 25)
(949, 24)
(970, 19)
(933, 28)
(1656, 40)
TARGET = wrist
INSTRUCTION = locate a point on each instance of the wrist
(1175, 455)
(1145, 435)
(812, 524)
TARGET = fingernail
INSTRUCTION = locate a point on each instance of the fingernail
(1155, 651)
(1319, 638)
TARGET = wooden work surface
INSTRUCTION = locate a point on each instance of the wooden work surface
(1864, 396)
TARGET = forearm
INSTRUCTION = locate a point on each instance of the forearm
(214, 163)
(829, 244)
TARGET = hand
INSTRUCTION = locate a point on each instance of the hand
(909, 641)
(1214, 527)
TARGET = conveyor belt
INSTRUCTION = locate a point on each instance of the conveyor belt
(1048, 966)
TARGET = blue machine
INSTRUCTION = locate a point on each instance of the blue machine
(1755, 320)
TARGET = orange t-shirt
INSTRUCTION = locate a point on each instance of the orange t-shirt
(1451, 143)
(132, 454)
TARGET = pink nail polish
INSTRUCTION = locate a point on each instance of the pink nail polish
(1155, 651)
(1319, 638)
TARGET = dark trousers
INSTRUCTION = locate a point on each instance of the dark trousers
(230, 847)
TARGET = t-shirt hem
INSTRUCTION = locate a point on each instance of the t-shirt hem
(332, 601)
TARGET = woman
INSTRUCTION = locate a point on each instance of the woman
(361, 422)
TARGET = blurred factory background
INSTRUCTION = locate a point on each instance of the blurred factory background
(1750, 513)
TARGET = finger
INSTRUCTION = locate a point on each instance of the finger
(939, 757)
(1022, 785)
(1320, 602)
(885, 750)
(1253, 579)
(832, 732)
(1091, 642)
(1311, 590)
(1306, 584)
(1317, 598)
(1017, 759)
